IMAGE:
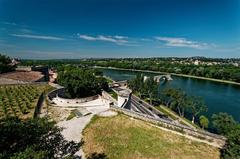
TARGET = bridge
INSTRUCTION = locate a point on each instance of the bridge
(162, 77)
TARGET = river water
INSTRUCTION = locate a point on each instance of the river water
(219, 97)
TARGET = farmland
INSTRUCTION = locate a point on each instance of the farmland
(19, 100)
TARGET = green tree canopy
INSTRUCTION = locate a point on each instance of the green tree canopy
(226, 125)
(204, 122)
(223, 122)
(232, 149)
(196, 106)
(5, 62)
(80, 82)
(34, 138)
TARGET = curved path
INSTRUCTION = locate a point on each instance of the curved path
(72, 129)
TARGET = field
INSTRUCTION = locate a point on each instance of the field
(120, 137)
(19, 100)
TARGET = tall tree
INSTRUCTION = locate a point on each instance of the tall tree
(180, 98)
(150, 87)
(196, 106)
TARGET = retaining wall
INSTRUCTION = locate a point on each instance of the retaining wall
(55, 94)
(107, 97)
(203, 135)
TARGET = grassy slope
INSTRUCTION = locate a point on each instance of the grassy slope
(120, 137)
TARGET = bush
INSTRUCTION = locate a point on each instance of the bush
(34, 138)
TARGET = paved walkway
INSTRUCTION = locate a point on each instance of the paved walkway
(73, 128)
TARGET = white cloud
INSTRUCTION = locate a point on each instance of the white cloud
(42, 37)
(145, 39)
(9, 23)
(182, 42)
(86, 37)
(120, 37)
(119, 40)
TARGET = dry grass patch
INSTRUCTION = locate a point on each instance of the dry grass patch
(120, 137)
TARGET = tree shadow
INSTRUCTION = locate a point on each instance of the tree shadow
(98, 156)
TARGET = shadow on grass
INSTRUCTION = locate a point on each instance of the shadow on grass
(97, 156)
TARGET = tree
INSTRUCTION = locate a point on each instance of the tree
(232, 148)
(223, 122)
(166, 96)
(137, 84)
(180, 97)
(196, 106)
(34, 138)
(236, 77)
(177, 99)
(80, 82)
(150, 87)
(204, 122)
(5, 64)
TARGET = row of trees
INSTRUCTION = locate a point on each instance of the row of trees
(81, 82)
(180, 102)
(225, 70)
(5, 64)
(221, 71)
(175, 99)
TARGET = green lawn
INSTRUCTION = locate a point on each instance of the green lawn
(113, 94)
(120, 137)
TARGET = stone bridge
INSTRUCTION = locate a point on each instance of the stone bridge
(162, 77)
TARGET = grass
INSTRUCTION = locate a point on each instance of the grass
(71, 115)
(113, 94)
(120, 137)
(166, 112)
(174, 116)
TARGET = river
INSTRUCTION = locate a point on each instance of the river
(219, 97)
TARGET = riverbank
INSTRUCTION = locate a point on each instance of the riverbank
(174, 74)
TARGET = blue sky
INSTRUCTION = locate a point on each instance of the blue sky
(44, 29)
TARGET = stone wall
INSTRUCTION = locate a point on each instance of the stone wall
(211, 138)
(54, 95)
(107, 97)
(76, 100)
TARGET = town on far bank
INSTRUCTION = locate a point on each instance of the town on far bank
(71, 109)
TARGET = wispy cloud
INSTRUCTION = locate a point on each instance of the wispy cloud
(8, 23)
(146, 39)
(119, 40)
(182, 42)
(41, 37)
(120, 37)
(26, 31)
